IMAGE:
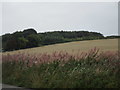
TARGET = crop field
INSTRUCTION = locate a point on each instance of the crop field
(75, 47)
(81, 64)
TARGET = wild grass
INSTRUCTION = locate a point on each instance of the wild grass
(93, 69)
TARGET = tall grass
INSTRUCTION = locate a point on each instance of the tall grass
(93, 69)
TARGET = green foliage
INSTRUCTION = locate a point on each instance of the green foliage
(29, 32)
(90, 70)
(17, 34)
(112, 37)
(11, 44)
(29, 38)
(33, 41)
(86, 73)
(22, 42)
(52, 39)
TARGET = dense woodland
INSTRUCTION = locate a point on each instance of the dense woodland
(30, 38)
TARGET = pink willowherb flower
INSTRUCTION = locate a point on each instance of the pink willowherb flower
(62, 56)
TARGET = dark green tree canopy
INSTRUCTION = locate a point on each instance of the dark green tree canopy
(28, 32)
(33, 40)
(29, 38)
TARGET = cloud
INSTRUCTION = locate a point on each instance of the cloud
(92, 16)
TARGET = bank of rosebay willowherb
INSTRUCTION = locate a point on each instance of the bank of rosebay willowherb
(93, 69)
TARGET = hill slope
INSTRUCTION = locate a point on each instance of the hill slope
(73, 47)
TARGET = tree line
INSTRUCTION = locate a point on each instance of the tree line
(30, 38)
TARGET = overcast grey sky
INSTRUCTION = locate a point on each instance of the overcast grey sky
(53, 16)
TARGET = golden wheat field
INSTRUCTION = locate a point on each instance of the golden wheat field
(74, 47)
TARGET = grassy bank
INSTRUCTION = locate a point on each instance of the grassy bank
(62, 70)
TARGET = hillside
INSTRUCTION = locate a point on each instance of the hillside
(74, 47)
(29, 38)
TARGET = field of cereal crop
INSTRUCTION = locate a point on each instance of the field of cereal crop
(75, 47)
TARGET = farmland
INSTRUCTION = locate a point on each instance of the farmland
(64, 65)
(75, 47)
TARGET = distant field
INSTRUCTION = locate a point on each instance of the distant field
(74, 47)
